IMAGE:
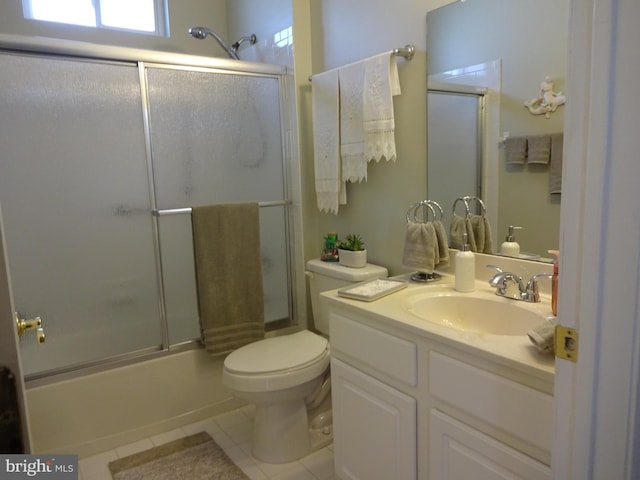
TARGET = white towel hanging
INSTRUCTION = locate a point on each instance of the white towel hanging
(326, 147)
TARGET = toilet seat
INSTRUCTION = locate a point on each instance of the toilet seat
(277, 363)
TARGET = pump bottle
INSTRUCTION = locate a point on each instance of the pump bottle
(465, 268)
(510, 248)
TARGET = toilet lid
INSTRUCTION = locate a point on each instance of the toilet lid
(287, 352)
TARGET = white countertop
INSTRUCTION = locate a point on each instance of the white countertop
(514, 350)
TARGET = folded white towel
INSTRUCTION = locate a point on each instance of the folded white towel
(351, 80)
(543, 336)
(381, 84)
(326, 148)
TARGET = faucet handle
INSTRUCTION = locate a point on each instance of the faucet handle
(498, 279)
(495, 267)
(532, 291)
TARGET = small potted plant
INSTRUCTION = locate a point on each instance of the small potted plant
(351, 252)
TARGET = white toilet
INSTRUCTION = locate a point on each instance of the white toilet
(288, 376)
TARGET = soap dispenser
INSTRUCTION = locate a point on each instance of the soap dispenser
(510, 247)
(465, 268)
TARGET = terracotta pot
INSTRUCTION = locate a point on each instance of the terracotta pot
(349, 258)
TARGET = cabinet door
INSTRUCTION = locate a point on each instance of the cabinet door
(374, 427)
(459, 452)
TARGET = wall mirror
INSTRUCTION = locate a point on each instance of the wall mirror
(485, 58)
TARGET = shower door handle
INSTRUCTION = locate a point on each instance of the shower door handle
(34, 324)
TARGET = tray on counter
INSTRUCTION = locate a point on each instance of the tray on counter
(370, 290)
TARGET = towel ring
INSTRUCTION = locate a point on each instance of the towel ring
(412, 213)
(466, 205)
(481, 203)
(467, 199)
(433, 203)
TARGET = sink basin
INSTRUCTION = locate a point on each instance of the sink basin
(495, 316)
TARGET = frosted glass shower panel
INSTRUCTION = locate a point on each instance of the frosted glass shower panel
(218, 140)
(179, 278)
(76, 204)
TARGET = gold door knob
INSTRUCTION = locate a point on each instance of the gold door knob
(34, 324)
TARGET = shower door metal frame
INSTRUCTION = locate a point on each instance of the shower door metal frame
(142, 59)
(179, 209)
(479, 95)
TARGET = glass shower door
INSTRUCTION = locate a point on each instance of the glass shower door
(76, 203)
(219, 141)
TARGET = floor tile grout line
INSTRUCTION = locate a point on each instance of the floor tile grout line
(268, 471)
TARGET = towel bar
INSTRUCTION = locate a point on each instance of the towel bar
(176, 211)
(407, 52)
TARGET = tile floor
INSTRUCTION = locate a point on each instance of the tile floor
(232, 431)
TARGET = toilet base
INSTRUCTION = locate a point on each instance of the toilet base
(281, 432)
(321, 429)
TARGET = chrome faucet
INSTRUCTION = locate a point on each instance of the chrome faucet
(531, 292)
(510, 285)
(507, 284)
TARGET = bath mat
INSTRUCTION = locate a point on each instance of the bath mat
(196, 457)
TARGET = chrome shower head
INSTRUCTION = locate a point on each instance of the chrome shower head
(199, 32)
(252, 39)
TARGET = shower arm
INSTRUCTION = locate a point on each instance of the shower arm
(202, 32)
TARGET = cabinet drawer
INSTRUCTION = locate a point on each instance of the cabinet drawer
(516, 409)
(390, 355)
(459, 452)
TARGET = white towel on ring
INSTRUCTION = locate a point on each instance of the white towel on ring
(381, 84)
(326, 138)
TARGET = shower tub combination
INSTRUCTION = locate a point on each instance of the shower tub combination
(103, 152)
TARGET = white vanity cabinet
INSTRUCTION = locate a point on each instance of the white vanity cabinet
(410, 404)
(374, 427)
(508, 413)
(375, 424)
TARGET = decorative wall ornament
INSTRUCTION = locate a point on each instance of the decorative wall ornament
(548, 101)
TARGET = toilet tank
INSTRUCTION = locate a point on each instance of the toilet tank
(325, 276)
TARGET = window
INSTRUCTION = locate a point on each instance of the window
(145, 16)
(284, 37)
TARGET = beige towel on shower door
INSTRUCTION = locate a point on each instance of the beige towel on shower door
(226, 246)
